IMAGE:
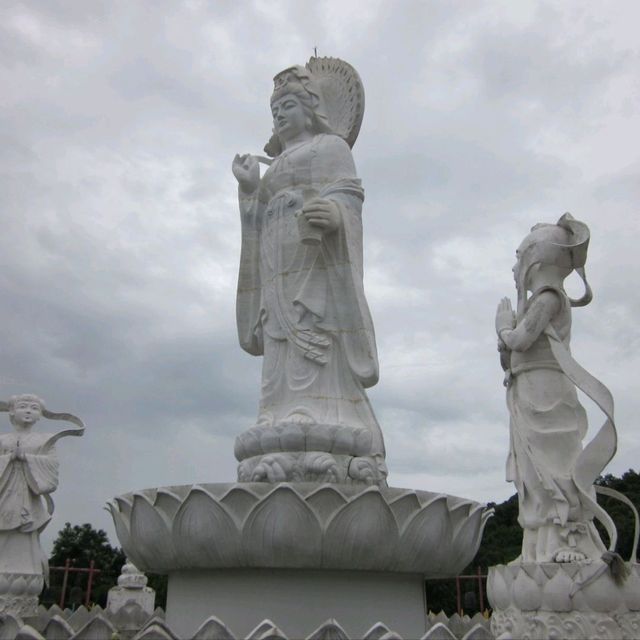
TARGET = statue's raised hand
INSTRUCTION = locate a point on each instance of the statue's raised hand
(247, 172)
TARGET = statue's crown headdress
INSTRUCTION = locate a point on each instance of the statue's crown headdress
(335, 91)
(563, 245)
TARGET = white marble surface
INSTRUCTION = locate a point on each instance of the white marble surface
(301, 525)
(301, 302)
(131, 588)
(300, 600)
(551, 468)
(28, 476)
(562, 600)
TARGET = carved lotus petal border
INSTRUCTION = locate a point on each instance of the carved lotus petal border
(546, 587)
(55, 623)
(301, 525)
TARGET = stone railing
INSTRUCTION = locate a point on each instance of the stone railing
(99, 624)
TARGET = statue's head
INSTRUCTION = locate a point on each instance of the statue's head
(296, 102)
(557, 250)
(25, 410)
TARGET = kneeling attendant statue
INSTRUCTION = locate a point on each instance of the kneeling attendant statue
(28, 475)
(564, 567)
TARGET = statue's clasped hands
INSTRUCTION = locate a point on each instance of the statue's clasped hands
(505, 316)
(17, 453)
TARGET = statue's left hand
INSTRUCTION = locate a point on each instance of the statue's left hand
(322, 213)
(505, 317)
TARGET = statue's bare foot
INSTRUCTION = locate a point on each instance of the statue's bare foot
(570, 555)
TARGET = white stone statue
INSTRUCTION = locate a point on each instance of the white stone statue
(28, 475)
(552, 471)
(301, 302)
(565, 583)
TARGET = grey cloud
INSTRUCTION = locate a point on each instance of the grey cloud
(119, 250)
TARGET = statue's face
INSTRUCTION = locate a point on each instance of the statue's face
(26, 412)
(289, 118)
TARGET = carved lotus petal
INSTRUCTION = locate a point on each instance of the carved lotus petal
(266, 630)
(57, 627)
(292, 438)
(425, 541)
(466, 539)
(497, 588)
(35, 584)
(269, 441)
(459, 510)
(300, 525)
(555, 591)
(631, 592)
(167, 503)
(363, 439)
(282, 531)
(18, 586)
(376, 632)
(155, 630)
(239, 502)
(366, 522)
(325, 501)
(526, 594)
(405, 507)
(325, 439)
(213, 629)
(204, 534)
(478, 632)
(439, 631)
(122, 530)
(602, 594)
(329, 630)
(97, 628)
(150, 535)
(124, 506)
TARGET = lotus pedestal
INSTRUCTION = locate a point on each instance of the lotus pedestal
(573, 601)
(297, 554)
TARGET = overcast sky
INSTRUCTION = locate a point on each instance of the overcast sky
(120, 235)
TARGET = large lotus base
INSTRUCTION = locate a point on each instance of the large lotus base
(300, 552)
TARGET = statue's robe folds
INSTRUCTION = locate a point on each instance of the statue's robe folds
(25, 505)
(302, 306)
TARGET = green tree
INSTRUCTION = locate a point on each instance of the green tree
(629, 485)
(81, 544)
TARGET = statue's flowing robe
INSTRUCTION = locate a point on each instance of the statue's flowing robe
(25, 505)
(303, 306)
(552, 471)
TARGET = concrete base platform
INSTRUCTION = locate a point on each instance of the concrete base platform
(298, 600)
